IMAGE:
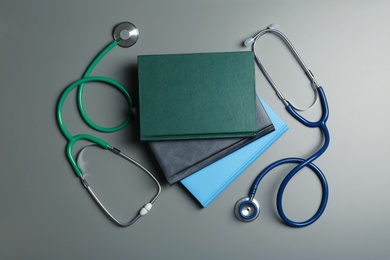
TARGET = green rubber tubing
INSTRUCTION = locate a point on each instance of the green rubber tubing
(80, 84)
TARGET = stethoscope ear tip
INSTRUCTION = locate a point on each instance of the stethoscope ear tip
(246, 209)
(273, 26)
(248, 42)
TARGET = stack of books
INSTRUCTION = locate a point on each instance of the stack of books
(202, 119)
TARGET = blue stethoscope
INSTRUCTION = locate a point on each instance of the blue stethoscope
(247, 209)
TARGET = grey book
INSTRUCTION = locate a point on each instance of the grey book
(180, 158)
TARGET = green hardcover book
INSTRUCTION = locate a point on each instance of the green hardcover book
(192, 96)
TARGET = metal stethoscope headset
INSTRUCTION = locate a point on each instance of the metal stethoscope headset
(247, 209)
(125, 35)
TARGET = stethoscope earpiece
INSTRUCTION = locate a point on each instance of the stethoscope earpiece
(126, 34)
(143, 211)
(248, 42)
(246, 209)
(251, 40)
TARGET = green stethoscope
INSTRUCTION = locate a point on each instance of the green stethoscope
(125, 35)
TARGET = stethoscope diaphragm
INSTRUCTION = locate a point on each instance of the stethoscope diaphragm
(246, 209)
(126, 34)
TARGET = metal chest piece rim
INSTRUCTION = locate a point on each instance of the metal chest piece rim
(126, 34)
(246, 209)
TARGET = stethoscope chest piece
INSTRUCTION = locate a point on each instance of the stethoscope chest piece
(246, 210)
(126, 34)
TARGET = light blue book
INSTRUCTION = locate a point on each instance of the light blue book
(206, 184)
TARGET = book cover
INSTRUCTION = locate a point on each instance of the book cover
(192, 96)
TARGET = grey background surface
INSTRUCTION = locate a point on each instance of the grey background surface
(46, 214)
